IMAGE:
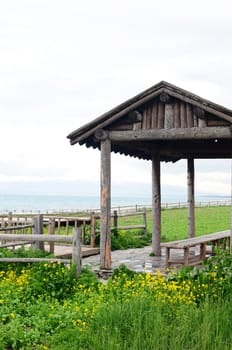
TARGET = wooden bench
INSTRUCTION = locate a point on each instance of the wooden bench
(188, 258)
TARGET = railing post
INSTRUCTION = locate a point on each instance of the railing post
(92, 230)
(51, 231)
(76, 250)
(37, 222)
(145, 220)
(115, 219)
(9, 221)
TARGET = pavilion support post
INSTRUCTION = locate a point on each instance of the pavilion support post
(156, 206)
(105, 238)
(191, 198)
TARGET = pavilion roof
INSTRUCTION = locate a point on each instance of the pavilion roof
(163, 119)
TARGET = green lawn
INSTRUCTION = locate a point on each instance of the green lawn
(174, 222)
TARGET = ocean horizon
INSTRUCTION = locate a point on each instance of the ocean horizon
(63, 203)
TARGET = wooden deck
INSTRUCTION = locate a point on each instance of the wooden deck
(65, 251)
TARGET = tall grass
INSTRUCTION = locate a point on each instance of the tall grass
(44, 307)
(142, 324)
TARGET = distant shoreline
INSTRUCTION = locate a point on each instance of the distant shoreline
(56, 203)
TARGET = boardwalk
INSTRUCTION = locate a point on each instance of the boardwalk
(65, 251)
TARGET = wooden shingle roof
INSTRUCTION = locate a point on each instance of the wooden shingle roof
(163, 119)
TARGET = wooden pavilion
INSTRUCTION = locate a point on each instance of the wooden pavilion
(163, 123)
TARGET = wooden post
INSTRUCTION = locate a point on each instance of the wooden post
(115, 218)
(145, 220)
(58, 226)
(37, 221)
(67, 226)
(10, 218)
(92, 230)
(105, 241)
(83, 231)
(156, 206)
(76, 250)
(3, 224)
(51, 231)
(24, 223)
(191, 199)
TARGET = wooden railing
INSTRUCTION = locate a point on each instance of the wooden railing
(142, 226)
(37, 238)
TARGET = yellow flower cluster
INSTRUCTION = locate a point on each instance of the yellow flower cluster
(161, 289)
(10, 277)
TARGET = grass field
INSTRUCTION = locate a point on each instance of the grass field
(174, 225)
(174, 221)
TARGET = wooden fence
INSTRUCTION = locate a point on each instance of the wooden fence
(35, 224)
(137, 207)
(37, 238)
(142, 226)
(120, 208)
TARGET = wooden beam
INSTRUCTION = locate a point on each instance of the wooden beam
(115, 116)
(35, 237)
(199, 104)
(105, 238)
(191, 198)
(207, 133)
(156, 206)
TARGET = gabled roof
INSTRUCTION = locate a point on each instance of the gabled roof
(164, 119)
(81, 134)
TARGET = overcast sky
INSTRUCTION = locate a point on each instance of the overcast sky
(64, 63)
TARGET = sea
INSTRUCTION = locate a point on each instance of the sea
(69, 203)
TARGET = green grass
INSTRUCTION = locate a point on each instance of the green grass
(43, 307)
(174, 222)
(143, 325)
(174, 226)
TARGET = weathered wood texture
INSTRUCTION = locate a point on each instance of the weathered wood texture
(76, 250)
(20, 227)
(105, 237)
(51, 231)
(188, 260)
(37, 222)
(191, 197)
(142, 226)
(195, 133)
(156, 206)
(34, 260)
(35, 237)
(168, 114)
(75, 240)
